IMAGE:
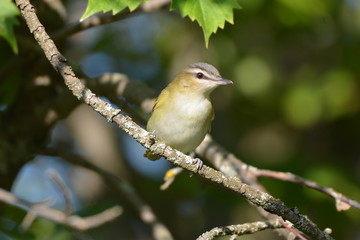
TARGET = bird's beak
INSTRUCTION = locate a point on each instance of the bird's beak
(224, 81)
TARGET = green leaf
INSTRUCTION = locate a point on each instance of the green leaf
(8, 13)
(115, 6)
(210, 14)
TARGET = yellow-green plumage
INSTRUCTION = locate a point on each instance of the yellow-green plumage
(183, 112)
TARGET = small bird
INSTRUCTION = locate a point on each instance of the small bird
(182, 113)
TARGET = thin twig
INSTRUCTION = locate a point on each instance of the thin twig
(75, 222)
(241, 229)
(148, 141)
(342, 202)
(63, 189)
(153, 5)
(94, 21)
(146, 214)
(30, 216)
(106, 18)
(116, 84)
(230, 164)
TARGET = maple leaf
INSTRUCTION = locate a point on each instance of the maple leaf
(210, 14)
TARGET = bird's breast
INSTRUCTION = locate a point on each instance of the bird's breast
(182, 123)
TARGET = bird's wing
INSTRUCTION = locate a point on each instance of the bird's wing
(163, 96)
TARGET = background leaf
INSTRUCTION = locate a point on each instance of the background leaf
(8, 19)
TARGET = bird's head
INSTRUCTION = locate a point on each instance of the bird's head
(200, 77)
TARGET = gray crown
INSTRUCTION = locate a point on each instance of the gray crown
(206, 67)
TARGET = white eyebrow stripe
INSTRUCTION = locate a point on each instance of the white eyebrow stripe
(206, 73)
(196, 70)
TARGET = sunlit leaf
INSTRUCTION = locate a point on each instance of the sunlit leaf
(8, 20)
(115, 6)
(210, 14)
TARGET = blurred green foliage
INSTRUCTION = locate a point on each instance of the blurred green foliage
(294, 105)
(8, 20)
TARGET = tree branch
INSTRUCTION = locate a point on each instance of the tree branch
(148, 141)
(75, 222)
(240, 229)
(117, 84)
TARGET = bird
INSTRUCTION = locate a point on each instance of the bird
(183, 112)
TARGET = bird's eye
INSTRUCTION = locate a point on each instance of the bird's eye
(199, 75)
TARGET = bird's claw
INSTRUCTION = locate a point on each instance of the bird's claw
(198, 164)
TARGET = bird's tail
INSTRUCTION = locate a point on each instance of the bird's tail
(151, 156)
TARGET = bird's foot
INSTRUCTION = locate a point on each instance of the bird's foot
(198, 164)
(152, 136)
